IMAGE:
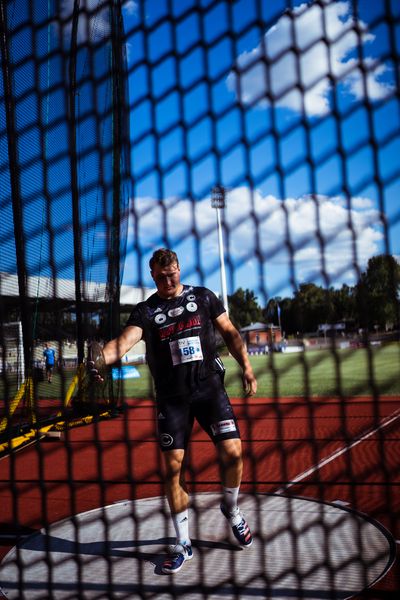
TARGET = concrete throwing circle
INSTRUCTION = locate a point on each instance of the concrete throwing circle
(302, 549)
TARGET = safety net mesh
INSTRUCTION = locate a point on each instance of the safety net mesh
(260, 141)
(64, 178)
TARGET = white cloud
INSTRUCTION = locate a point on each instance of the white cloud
(130, 7)
(265, 226)
(357, 202)
(327, 40)
(93, 23)
(319, 230)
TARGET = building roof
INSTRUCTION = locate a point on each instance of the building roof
(259, 327)
(64, 289)
(256, 327)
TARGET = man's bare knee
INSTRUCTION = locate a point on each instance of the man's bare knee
(230, 453)
(172, 461)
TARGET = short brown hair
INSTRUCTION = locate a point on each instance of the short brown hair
(163, 257)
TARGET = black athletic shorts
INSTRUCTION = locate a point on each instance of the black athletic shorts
(210, 406)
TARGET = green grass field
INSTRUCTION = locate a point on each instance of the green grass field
(323, 373)
(316, 373)
(312, 373)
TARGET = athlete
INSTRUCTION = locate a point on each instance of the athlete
(49, 357)
(178, 324)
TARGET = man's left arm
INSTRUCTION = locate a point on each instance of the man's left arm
(237, 348)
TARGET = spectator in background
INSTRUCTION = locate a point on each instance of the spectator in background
(49, 357)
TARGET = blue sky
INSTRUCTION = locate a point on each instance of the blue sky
(293, 110)
(311, 169)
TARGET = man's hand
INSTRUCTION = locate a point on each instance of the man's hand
(249, 381)
(237, 348)
(95, 363)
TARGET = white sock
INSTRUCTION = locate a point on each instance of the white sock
(231, 499)
(181, 524)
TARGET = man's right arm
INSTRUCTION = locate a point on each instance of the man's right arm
(115, 349)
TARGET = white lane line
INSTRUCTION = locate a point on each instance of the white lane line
(387, 421)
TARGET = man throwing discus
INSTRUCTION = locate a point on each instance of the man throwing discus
(178, 324)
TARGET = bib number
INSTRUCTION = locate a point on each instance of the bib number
(186, 350)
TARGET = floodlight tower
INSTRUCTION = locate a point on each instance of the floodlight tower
(218, 201)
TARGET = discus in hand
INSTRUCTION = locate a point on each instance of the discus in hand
(93, 378)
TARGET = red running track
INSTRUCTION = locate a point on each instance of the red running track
(328, 449)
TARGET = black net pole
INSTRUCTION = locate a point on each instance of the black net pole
(114, 265)
(9, 104)
(74, 182)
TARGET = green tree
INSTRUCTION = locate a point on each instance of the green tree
(270, 312)
(278, 311)
(312, 306)
(244, 308)
(378, 293)
(344, 304)
(288, 317)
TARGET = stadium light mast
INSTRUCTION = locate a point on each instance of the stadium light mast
(218, 201)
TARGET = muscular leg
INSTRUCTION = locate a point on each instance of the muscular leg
(174, 480)
(231, 466)
(177, 496)
(230, 462)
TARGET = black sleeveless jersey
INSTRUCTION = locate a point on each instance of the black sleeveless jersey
(180, 339)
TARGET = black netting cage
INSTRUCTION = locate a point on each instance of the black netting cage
(259, 141)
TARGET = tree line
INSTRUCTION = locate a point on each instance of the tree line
(371, 304)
